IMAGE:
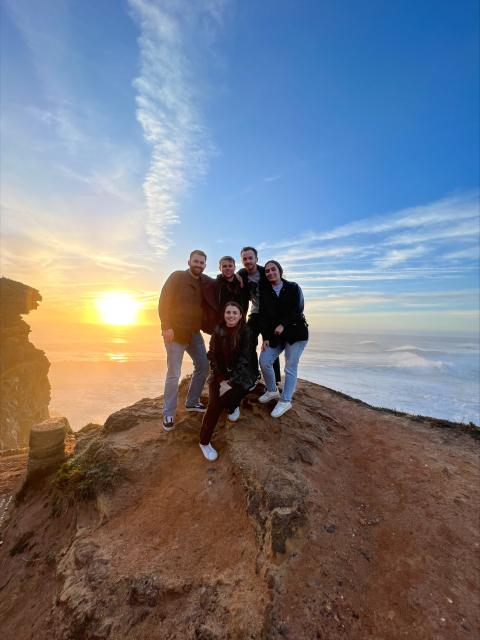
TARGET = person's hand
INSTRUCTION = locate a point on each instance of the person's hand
(168, 335)
(279, 329)
(224, 387)
(240, 280)
(265, 345)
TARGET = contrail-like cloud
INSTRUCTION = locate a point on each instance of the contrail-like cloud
(174, 36)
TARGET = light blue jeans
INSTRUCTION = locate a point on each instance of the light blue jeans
(196, 350)
(292, 356)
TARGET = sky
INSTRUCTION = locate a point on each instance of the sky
(338, 137)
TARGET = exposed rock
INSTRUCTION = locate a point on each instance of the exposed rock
(335, 521)
(24, 386)
(47, 447)
(143, 410)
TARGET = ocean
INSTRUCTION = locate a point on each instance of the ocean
(434, 375)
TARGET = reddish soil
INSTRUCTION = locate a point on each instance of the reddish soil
(336, 521)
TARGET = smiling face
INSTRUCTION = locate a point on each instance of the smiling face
(232, 315)
(227, 268)
(272, 273)
(249, 260)
(197, 264)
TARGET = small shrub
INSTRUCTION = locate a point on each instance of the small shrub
(85, 475)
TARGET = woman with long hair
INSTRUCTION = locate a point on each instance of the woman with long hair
(233, 372)
(284, 328)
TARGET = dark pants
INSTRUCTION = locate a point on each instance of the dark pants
(254, 324)
(216, 404)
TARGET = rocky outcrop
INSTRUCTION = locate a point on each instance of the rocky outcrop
(335, 521)
(24, 386)
(47, 447)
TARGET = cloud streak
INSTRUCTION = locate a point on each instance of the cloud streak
(172, 35)
(408, 254)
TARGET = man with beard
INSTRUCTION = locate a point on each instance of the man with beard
(181, 308)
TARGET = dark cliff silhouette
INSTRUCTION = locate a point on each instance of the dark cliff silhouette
(24, 390)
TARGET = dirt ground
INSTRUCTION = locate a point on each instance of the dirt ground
(335, 521)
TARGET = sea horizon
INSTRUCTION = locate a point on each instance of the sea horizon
(433, 374)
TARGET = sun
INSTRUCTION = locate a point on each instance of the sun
(117, 307)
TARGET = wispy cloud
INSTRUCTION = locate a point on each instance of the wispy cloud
(407, 254)
(167, 103)
(397, 256)
(428, 220)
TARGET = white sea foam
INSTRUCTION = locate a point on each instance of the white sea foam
(409, 360)
(408, 347)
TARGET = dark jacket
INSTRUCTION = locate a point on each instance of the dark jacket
(182, 305)
(242, 369)
(231, 291)
(216, 294)
(285, 309)
(243, 273)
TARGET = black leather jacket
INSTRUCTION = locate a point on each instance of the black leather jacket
(241, 370)
(285, 309)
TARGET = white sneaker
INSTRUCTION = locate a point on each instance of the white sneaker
(209, 452)
(234, 416)
(269, 395)
(280, 408)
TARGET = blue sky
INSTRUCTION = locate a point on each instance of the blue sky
(340, 137)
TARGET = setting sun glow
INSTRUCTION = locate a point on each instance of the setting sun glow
(118, 308)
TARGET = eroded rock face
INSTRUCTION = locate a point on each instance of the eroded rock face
(335, 521)
(24, 390)
(47, 447)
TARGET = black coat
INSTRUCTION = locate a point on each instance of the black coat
(243, 273)
(242, 369)
(231, 291)
(216, 293)
(285, 309)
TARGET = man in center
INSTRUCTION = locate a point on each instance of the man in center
(253, 275)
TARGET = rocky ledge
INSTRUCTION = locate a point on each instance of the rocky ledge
(24, 386)
(335, 521)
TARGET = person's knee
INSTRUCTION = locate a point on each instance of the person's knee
(202, 365)
(174, 371)
(267, 358)
(291, 370)
(264, 360)
(291, 365)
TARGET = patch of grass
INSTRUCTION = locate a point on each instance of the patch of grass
(85, 475)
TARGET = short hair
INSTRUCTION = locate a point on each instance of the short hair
(250, 249)
(226, 259)
(277, 264)
(198, 252)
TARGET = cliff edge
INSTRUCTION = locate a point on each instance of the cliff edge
(24, 386)
(335, 521)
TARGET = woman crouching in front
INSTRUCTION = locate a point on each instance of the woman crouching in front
(284, 328)
(233, 372)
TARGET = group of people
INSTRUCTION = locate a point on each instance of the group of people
(191, 301)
